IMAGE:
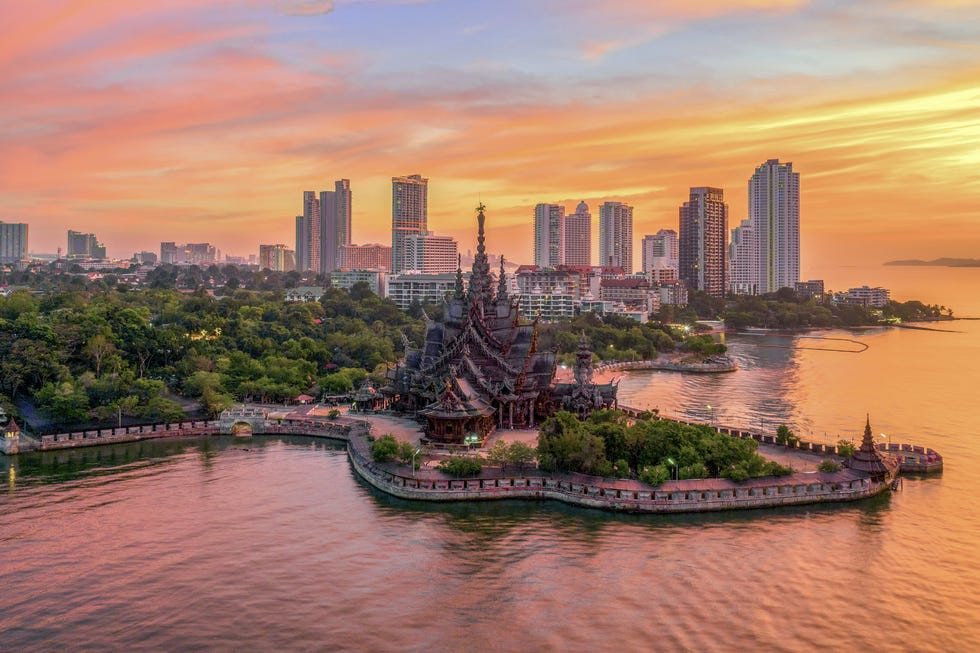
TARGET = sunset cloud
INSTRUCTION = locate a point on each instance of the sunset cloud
(191, 120)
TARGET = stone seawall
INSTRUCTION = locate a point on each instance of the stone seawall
(787, 491)
(96, 437)
(591, 492)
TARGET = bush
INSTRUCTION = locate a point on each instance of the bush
(497, 455)
(461, 465)
(521, 454)
(384, 448)
(333, 414)
(846, 448)
(828, 465)
(654, 475)
(786, 437)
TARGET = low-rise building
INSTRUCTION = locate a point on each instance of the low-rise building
(866, 296)
(347, 278)
(305, 294)
(812, 289)
(404, 289)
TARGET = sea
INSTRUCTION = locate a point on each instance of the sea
(273, 544)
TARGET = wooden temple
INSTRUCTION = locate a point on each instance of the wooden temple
(481, 367)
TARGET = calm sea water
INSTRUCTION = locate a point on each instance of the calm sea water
(273, 544)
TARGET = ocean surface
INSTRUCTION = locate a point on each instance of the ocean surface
(273, 544)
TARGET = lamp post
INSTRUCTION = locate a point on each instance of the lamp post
(670, 461)
(417, 452)
(888, 439)
(711, 415)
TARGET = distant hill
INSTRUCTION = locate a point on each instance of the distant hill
(941, 262)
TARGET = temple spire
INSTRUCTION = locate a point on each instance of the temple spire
(502, 282)
(480, 280)
(459, 277)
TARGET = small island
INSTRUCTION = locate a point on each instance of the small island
(938, 262)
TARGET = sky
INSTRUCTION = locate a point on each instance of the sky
(205, 120)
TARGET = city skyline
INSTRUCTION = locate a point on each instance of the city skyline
(204, 119)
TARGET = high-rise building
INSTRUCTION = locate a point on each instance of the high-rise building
(616, 235)
(335, 223)
(660, 251)
(364, 257)
(310, 255)
(549, 235)
(578, 236)
(409, 215)
(430, 254)
(168, 252)
(701, 241)
(301, 244)
(743, 260)
(343, 203)
(13, 242)
(276, 258)
(84, 245)
(774, 212)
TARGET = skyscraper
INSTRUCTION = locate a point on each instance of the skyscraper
(616, 236)
(328, 231)
(774, 213)
(701, 241)
(308, 251)
(578, 236)
(300, 244)
(335, 223)
(409, 215)
(660, 251)
(343, 207)
(276, 258)
(13, 242)
(549, 235)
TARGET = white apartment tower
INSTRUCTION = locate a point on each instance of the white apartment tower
(743, 260)
(616, 236)
(578, 236)
(774, 212)
(549, 235)
(409, 215)
(660, 251)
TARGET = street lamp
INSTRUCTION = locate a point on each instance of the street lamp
(670, 461)
(888, 439)
(417, 452)
(711, 415)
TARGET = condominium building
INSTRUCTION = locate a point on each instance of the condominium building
(534, 280)
(13, 242)
(430, 254)
(616, 235)
(404, 289)
(409, 215)
(346, 279)
(702, 252)
(276, 258)
(308, 244)
(578, 236)
(84, 245)
(867, 297)
(364, 257)
(549, 235)
(335, 223)
(774, 212)
(660, 251)
(743, 260)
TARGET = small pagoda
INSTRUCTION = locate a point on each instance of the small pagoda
(459, 412)
(867, 459)
(583, 395)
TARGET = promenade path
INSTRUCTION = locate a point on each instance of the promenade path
(405, 428)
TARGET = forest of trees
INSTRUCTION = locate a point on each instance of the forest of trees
(95, 353)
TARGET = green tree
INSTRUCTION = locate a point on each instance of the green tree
(520, 454)
(384, 448)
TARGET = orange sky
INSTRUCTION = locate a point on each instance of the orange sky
(204, 121)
